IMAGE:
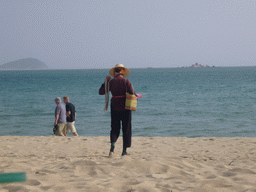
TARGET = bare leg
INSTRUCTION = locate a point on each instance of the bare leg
(75, 133)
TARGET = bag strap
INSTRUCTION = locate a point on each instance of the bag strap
(126, 81)
(126, 85)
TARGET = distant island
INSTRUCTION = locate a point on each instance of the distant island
(196, 65)
(24, 64)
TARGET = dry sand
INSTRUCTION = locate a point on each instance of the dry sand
(74, 164)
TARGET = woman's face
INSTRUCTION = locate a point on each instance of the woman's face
(119, 70)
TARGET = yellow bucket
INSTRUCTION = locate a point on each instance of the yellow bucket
(131, 102)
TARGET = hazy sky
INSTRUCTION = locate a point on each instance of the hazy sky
(78, 34)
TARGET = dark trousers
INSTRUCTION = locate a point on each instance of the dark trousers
(126, 118)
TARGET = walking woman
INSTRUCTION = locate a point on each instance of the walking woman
(119, 86)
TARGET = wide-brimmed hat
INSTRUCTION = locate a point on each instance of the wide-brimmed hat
(119, 65)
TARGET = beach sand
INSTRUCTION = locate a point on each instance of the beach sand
(163, 164)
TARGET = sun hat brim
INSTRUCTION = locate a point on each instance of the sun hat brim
(126, 70)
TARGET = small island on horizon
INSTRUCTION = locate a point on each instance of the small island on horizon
(25, 64)
(196, 65)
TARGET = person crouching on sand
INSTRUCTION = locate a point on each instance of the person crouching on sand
(71, 116)
(119, 86)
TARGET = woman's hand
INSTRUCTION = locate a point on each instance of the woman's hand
(108, 78)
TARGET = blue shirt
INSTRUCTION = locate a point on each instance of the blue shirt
(61, 110)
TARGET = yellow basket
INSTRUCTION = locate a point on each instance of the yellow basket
(131, 102)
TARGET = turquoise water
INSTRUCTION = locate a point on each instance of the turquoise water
(176, 102)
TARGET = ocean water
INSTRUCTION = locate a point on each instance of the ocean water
(184, 102)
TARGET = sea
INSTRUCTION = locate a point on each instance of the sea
(176, 102)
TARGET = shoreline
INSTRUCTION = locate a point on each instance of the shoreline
(156, 163)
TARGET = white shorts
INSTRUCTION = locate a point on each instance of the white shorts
(71, 127)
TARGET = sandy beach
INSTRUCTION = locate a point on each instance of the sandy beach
(163, 164)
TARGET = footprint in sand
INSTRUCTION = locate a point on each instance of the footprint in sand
(16, 188)
(33, 182)
(86, 168)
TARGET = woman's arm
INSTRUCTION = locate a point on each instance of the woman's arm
(130, 88)
(102, 88)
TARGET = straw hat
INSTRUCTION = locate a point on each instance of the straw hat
(119, 65)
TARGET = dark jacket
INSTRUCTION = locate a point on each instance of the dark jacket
(118, 86)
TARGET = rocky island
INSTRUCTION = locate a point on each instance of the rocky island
(24, 64)
(196, 65)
